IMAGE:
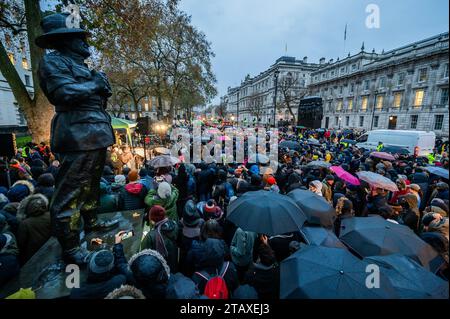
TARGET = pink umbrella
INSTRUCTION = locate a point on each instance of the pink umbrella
(383, 155)
(377, 180)
(344, 175)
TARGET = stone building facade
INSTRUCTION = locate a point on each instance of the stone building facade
(404, 88)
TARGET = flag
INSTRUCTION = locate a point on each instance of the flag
(345, 32)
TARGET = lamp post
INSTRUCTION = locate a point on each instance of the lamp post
(237, 108)
(275, 78)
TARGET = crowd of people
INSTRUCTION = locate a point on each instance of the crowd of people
(190, 249)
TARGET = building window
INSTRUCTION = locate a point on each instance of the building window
(27, 80)
(341, 88)
(401, 79)
(350, 104)
(397, 99)
(342, 70)
(423, 74)
(379, 102)
(11, 58)
(324, 75)
(23, 47)
(364, 103)
(413, 121)
(444, 96)
(353, 67)
(347, 121)
(438, 121)
(339, 105)
(375, 121)
(25, 63)
(446, 71)
(329, 106)
(366, 85)
(418, 98)
(382, 83)
(361, 121)
(336, 121)
(352, 87)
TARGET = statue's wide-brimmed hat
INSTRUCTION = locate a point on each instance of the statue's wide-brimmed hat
(57, 26)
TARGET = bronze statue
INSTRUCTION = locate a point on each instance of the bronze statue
(81, 131)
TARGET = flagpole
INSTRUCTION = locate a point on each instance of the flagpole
(345, 38)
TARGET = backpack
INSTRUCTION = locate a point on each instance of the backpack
(216, 288)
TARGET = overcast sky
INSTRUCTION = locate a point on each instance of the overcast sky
(247, 36)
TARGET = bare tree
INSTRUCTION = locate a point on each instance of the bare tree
(255, 105)
(292, 90)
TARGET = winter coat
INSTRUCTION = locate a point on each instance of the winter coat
(374, 203)
(35, 229)
(132, 196)
(280, 244)
(265, 279)
(9, 262)
(169, 204)
(46, 185)
(208, 256)
(108, 202)
(98, 290)
(169, 232)
(411, 215)
(242, 247)
(327, 192)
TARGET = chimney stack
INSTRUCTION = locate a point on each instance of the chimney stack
(305, 59)
(322, 61)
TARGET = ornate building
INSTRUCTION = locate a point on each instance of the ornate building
(404, 88)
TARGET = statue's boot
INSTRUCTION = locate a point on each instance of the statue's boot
(92, 223)
(70, 243)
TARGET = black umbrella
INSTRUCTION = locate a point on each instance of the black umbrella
(317, 210)
(292, 145)
(319, 236)
(348, 141)
(410, 279)
(319, 272)
(375, 236)
(266, 212)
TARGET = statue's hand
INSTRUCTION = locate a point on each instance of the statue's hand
(102, 83)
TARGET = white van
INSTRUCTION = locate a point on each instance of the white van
(420, 142)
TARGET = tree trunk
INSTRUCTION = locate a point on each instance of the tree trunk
(39, 117)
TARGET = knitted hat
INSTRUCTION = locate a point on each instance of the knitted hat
(157, 213)
(120, 179)
(101, 261)
(133, 176)
(191, 216)
(271, 180)
(164, 190)
(125, 292)
(329, 178)
(210, 207)
(316, 184)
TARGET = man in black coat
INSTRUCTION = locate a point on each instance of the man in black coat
(81, 131)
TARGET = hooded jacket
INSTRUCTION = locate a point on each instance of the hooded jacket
(169, 232)
(242, 247)
(35, 229)
(169, 203)
(45, 185)
(9, 263)
(20, 190)
(108, 202)
(208, 256)
(132, 196)
(265, 279)
(410, 216)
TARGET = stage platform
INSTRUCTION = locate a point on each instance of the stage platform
(46, 273)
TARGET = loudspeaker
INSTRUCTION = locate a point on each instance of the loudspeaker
(8, 146)
(144, 125)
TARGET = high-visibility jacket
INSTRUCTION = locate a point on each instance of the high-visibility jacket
(380, 147)
(431, 158)
(24, 151)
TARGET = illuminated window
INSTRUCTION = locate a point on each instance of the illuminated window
(339, 105)
(25, 63)
(350, 104)
(379, 104)
(418, 98)
(364, 103)
(397, 99)
(11, 58)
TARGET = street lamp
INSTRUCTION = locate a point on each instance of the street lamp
(340, 119)
(275, 78)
